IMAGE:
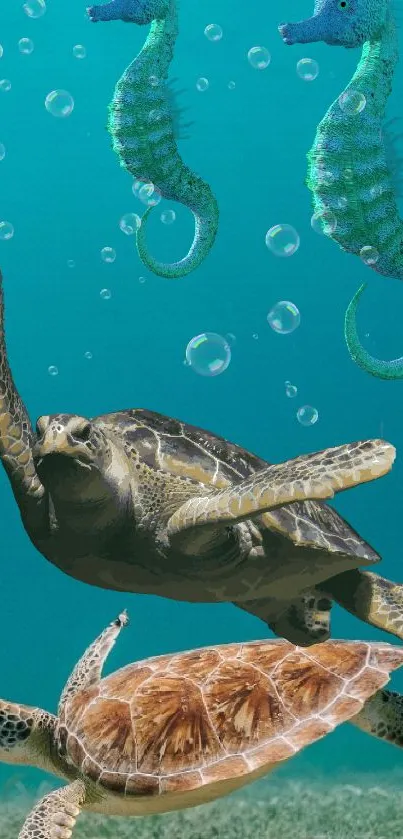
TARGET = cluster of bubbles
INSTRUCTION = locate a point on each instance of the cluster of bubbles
(54, 371)
(307, 414)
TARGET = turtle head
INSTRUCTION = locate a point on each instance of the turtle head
(72, 456)
(345, 23)
(21, 730)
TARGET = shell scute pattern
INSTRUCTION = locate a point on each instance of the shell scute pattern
(181, 721)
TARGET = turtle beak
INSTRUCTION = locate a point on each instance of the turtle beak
(60, 444)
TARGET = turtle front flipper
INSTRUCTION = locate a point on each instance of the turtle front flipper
(370, 597)
(382, 716)
(88, 669)
(55, 815)
(313, 476)
(303, 621)
(16, 438)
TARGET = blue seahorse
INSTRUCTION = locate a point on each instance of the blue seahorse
(349, 170)
(142, 128)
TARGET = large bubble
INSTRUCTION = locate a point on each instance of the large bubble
(284, 317)
(208, 354)
(282, 240)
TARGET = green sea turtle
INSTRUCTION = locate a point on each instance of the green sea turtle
(135, 501)
(182, 729)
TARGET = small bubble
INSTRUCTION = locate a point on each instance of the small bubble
(142, 279)
(79, 51)
(25, 46)
(149, 194)
(129, 223)
(352, 102)
(52, 370)
(348, 175)
(155, 115)
(231, 85)
(282, 240)
(259, 58)
(88, 355)
(5, 85)
(34, 8)
(59, 103)
(290, 390)
(307, 415)
(369, 255)
(71, 263)
(324, 222)
(208, 354)
(202, 84)
(2, 151)
(231, 338)
(105, 293)
(284, 317)
(136, 186)
(6, 230)
(255, 336)
(108, 254)
(168, 217)
(153, 81)
(213, 32)
(1, 51)
(307, 69)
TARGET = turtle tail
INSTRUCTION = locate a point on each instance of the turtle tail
(204, 207)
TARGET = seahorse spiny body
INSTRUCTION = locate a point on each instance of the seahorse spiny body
(348, 172)
(142, 129)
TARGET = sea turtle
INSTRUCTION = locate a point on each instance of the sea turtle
(136, 501)
(178, 730)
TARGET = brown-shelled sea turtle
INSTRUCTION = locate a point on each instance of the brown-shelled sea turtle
(182, 729)
(135, 501)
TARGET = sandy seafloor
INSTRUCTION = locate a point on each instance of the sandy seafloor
(344, 807)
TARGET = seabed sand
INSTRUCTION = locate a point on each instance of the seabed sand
(363, 807)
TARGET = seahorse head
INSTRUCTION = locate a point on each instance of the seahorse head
(130, 11)
(345, 23)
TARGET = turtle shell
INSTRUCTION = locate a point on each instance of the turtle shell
(192, 454)
(177, 723)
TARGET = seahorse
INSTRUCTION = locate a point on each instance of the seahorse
(142, 128)
(349, 172)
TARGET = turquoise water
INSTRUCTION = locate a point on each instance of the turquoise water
(63, 190)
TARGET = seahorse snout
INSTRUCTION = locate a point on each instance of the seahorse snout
(303, 32)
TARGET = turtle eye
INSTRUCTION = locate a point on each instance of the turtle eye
(343, 5)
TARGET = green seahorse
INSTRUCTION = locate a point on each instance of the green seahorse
(142, 127)
(349, 172)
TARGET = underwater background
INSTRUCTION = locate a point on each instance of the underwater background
(63, 191)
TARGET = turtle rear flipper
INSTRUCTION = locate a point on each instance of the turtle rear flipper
(313, 476)
(370, 597)
(303, 621)
(16, 437)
